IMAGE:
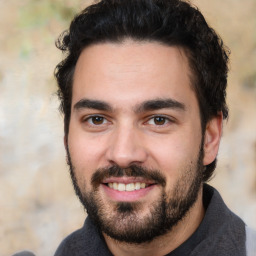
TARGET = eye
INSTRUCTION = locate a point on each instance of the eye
(96, 120)
(158, 120)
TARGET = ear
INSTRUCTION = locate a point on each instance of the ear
(212, 138)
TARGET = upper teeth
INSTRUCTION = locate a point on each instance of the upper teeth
(127, 187)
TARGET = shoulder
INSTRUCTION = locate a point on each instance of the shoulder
(71, 243)
(86, 241)
(222, 232)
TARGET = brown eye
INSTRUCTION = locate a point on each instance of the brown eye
(159, 120)
(96, 120)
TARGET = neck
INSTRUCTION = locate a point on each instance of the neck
(166, 243)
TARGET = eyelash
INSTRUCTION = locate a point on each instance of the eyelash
(166, 120)
(87, 120)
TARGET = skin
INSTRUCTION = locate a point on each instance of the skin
(124, 76)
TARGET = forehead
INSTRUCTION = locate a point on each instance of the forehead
(130, 72)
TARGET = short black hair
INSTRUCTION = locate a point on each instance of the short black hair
(171, 22)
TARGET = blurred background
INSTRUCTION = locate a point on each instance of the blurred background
(38, 207)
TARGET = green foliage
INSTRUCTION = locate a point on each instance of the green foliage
(39, 20)
(250, 81)
(25, 49)
(40, 13)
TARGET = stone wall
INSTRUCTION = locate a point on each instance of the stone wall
(38, 206)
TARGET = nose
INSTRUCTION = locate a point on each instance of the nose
(126, 148)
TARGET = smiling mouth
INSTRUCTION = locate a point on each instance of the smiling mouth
(127, 187)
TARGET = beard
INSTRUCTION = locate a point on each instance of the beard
(125, 221)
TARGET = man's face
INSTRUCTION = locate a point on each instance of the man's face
(135, 139)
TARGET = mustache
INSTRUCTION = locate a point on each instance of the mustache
(132, 171)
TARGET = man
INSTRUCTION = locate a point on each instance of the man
(142, 89)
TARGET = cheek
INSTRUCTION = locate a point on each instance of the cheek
(80, 144)
(175, 155)
(86, 152)
(175, 150)
(82, 165)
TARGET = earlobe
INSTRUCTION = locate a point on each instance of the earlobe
(212, 138)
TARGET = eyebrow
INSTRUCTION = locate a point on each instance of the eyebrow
(92, 104)
(157, 104)
(149, 105)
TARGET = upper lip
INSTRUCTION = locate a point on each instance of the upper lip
(127, 180)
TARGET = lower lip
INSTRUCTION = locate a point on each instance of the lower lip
(126, 196)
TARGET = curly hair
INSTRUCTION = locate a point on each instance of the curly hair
(171, 22)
